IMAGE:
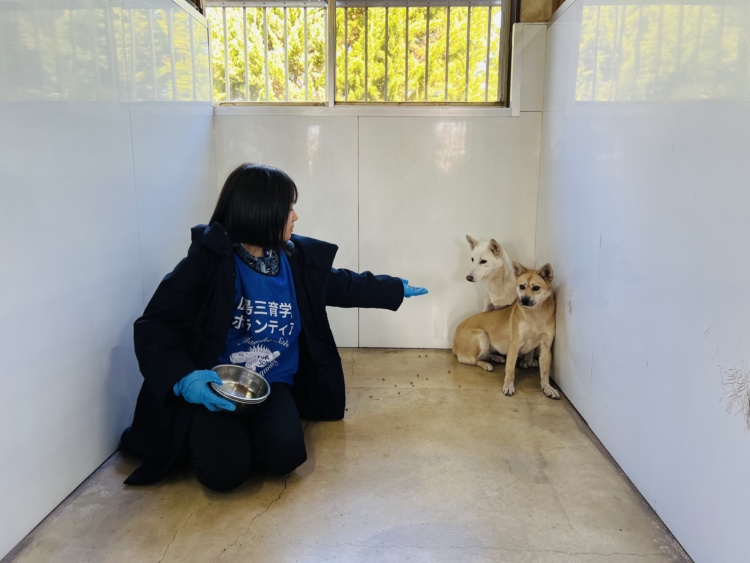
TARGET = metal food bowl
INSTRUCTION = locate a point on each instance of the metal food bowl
(241, 386)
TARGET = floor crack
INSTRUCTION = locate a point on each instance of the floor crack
(250, 525)
(174, 537)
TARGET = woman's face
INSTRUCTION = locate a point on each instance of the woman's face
(290, 223)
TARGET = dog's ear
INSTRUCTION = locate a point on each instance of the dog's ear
(519, 268)
(495, 248)
(472, 241)
(546, 273)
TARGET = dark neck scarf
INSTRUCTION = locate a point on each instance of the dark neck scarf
(268, 264)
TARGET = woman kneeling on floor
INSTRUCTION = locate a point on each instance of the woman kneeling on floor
(248, 292)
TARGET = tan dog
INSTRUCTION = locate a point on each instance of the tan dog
(527, 324)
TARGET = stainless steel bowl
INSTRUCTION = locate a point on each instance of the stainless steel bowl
(242, 386)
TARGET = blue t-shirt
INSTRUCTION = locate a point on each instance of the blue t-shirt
(266, 325)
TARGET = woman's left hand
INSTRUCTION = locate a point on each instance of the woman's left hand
(410, 290)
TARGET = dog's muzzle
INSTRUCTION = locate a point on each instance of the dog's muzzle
(527, 302)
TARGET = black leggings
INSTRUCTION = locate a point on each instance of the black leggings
(225, 448)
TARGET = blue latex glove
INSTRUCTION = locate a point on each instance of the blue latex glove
(411, 291)
(194, 389)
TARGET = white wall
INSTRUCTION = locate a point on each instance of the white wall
(105, 163)
(643, 205)
(399, 188)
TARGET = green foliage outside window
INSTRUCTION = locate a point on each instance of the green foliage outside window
(434, 37)
(382, 55)
(286, 72)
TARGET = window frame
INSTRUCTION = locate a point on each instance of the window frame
(365, 108)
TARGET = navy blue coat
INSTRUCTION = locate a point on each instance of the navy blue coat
(185, 326)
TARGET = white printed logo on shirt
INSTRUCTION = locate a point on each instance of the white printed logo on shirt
(255, 358)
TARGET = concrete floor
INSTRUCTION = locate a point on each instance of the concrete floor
(432, 463)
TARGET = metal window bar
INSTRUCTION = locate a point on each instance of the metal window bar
(468, 52)
(307, 48)
(487, 59)
(225, 41)
(286, 57)
(503, 75)
(427, 56)
(448, 50)
(385, 58)
(406, 62)
(244, 50)
(346, 53)
(329, 19)
(367, 57)
(265, 53)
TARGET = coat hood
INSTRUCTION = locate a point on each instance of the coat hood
(214, 237)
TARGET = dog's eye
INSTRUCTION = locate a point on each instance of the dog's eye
(483, 261)
(522, 287)
(472, 259)
(536, 288)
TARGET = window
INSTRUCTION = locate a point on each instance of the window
(382, 51)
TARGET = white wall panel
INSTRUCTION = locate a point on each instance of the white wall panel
(399, 194)
(320, 155)
(172, 196)
(91, 184)
(427, 182)
(642, 212)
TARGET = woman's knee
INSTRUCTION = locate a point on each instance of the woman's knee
(283, 460)
(220, 452)
(222, 474)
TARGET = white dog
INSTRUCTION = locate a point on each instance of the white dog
(491, 265)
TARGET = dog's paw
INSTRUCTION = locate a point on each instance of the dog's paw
(485, 366)
(551, 392)
(497, 358)
(509, 389)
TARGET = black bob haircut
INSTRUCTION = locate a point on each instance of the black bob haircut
(254, 205)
